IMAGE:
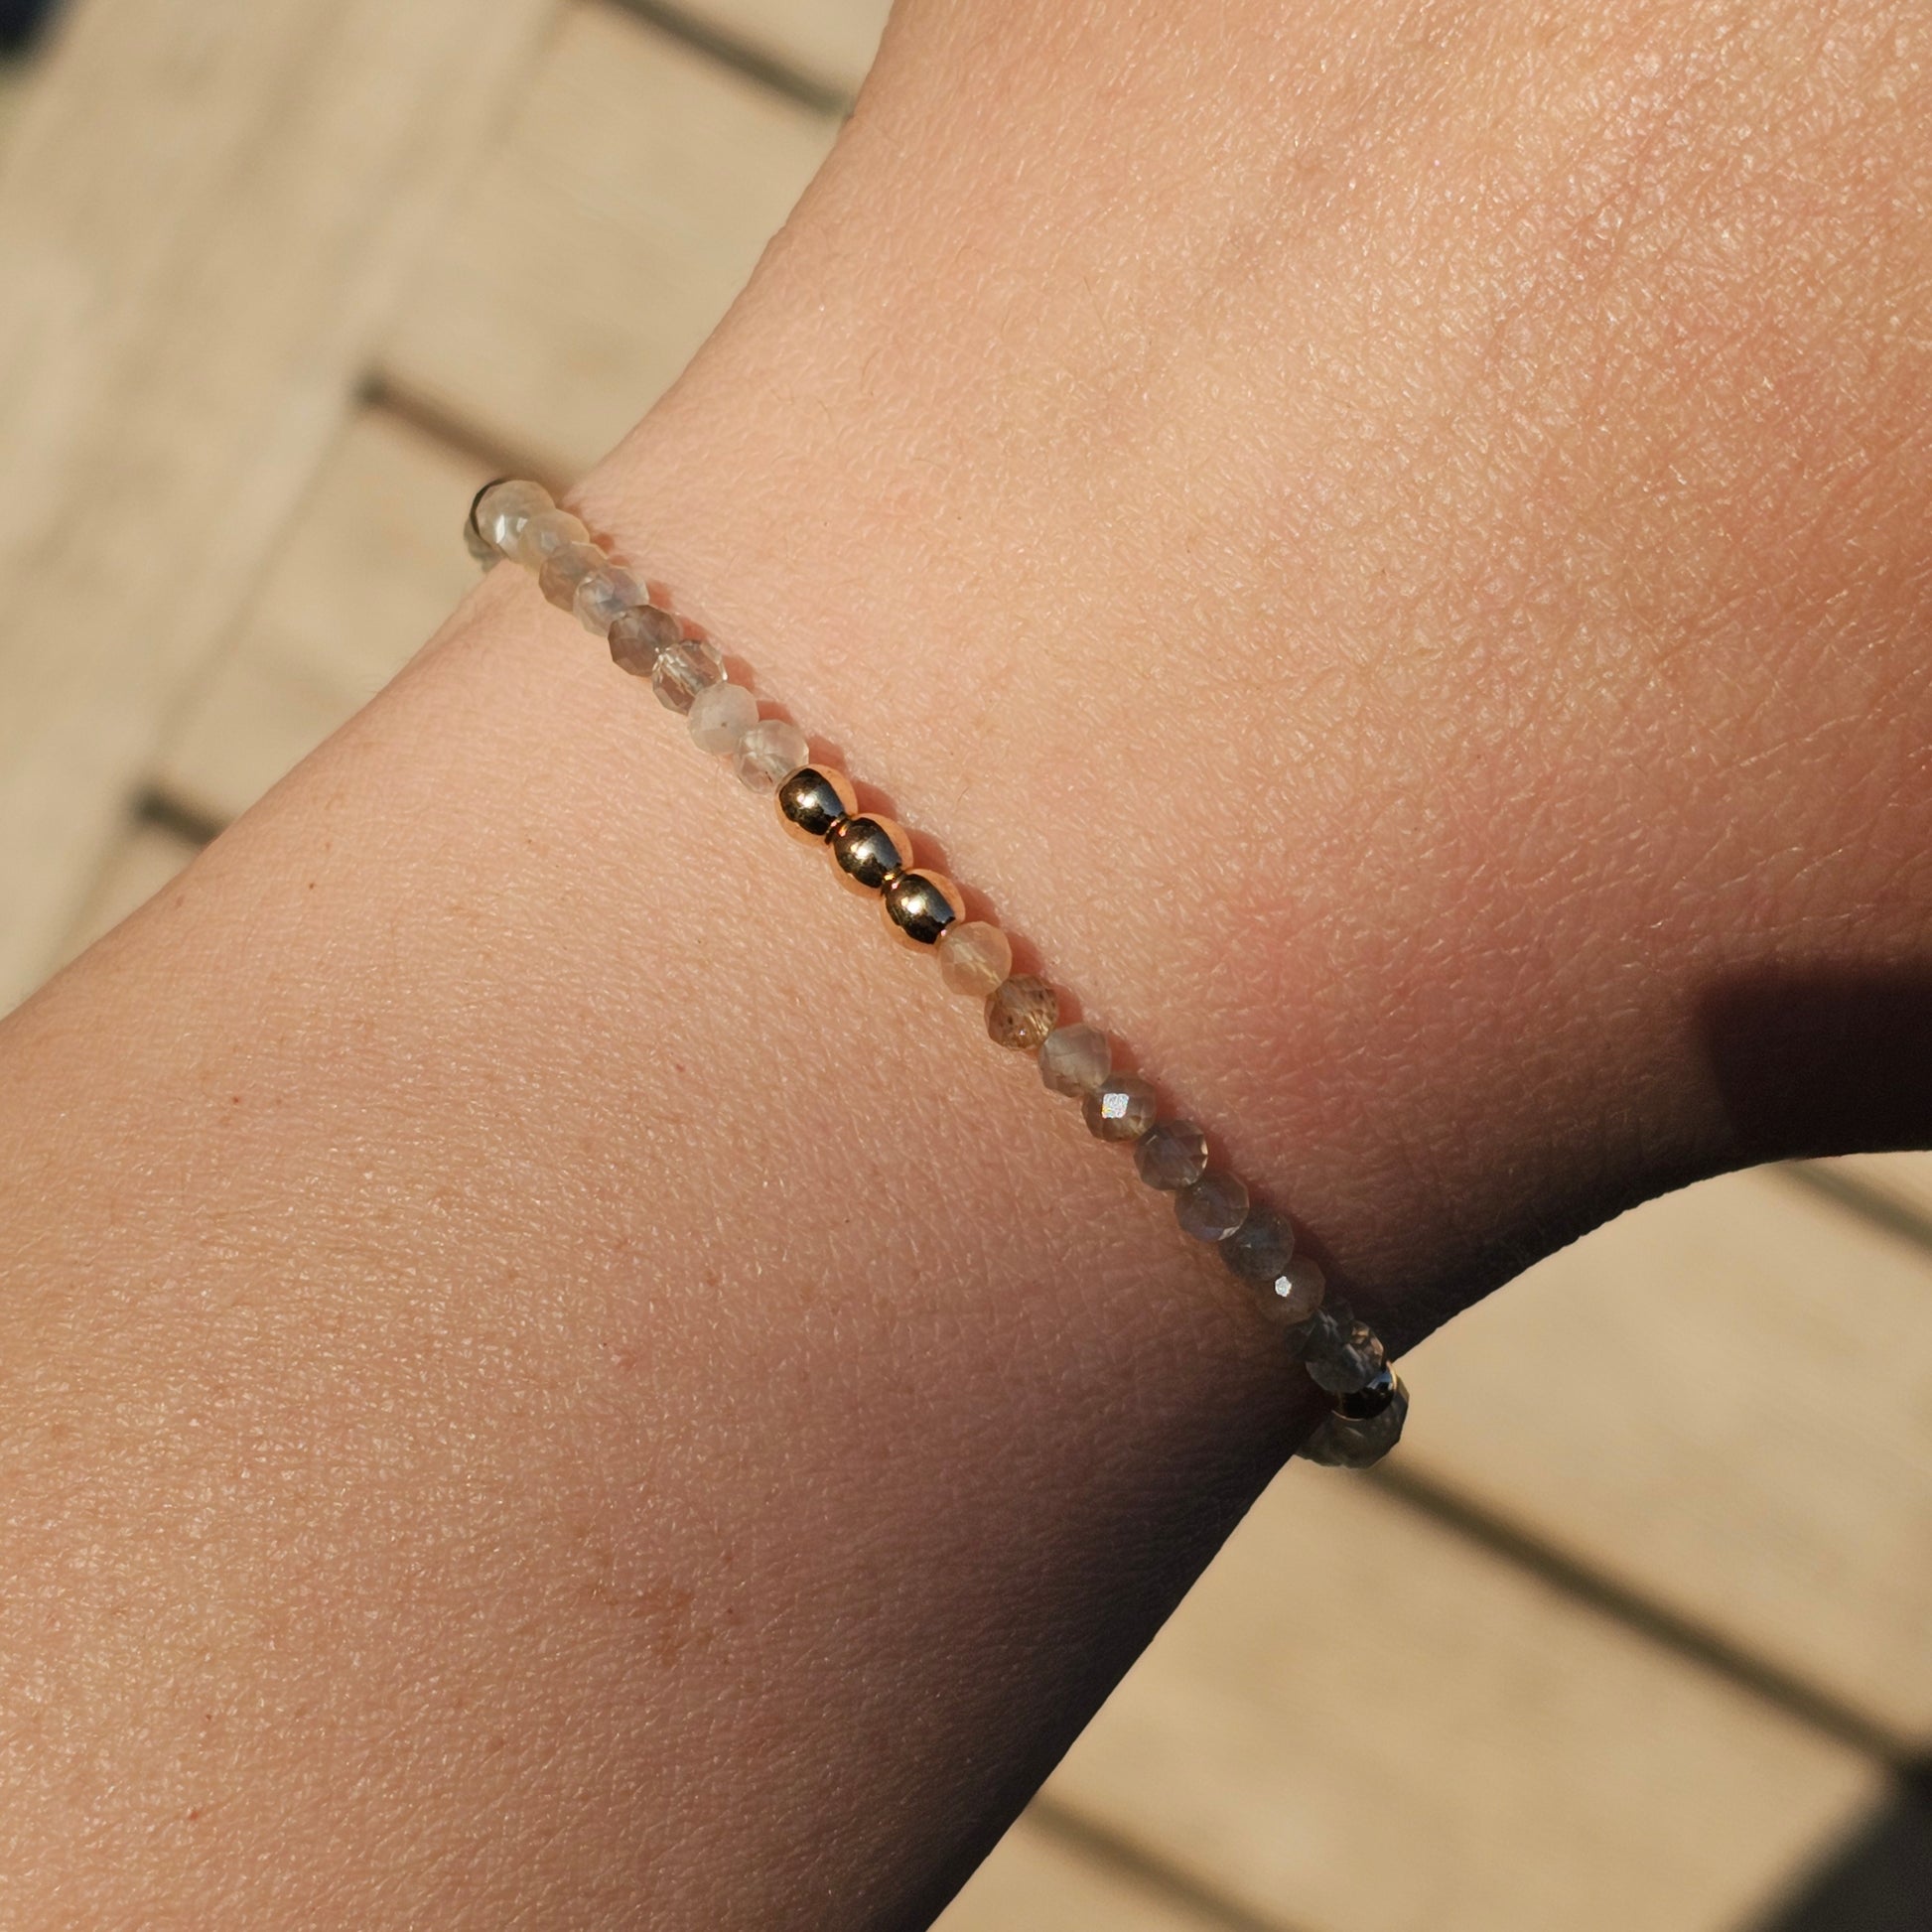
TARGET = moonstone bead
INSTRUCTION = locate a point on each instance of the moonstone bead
(682, 670)
(545, 531)
(605, 596)
(1213, 1207)
(1171, 1155)
(1120, 1108)
(565, 569)
(1295, 1292)
(1075, 1060)
(769, 754)
(482, 551)
(502, 510)
(1259, 1248)
(974, 957)
(1342, 1354)
(720, 718)
(1021, 1012)
(638, 637)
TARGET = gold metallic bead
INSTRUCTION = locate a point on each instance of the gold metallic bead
(869, 851)
(918, 906)
(813, 799)
(1358, 1443)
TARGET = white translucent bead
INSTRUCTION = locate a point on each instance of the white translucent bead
(605, 596)
(503, 509)
(769, 754)
(720, 718)
(974, 957)
(543, 532)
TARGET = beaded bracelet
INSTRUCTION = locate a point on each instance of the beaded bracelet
(924, 908)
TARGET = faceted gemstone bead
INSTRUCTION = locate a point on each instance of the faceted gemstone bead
(605, 596)
(720, 718)
(1359, 1443)
(1021, 1012)
(1370, 1400)
(769, 754)
(918, 906)
(1171, 1155)
(482, 550)
(1074, 1059)
(1213, 1207)
(1120, 1108)
(1259, 1248)
(813, 799)
(1295, 1294)
(565, 569)
(974, 957)
(1342, 1354)
(868, 849)
(502, 508)
(638, 634)
(544, 531)
(682, 670)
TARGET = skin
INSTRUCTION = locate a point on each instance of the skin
(553, 1377)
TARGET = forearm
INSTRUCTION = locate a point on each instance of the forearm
(553, 1370)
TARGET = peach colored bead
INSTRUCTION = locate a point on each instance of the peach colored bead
(974, 957)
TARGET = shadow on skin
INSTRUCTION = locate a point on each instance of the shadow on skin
(1812, 1062)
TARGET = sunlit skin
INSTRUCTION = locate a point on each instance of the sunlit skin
(551, 1375)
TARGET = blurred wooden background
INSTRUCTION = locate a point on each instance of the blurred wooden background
(1633, 1635)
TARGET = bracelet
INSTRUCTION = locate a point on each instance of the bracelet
(925, 909)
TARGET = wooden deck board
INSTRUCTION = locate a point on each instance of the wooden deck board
(1724, 1400)
(1035, 1884)
(371, 565)
(1362, 1721)
(625, 207)
(203, 223)
(1901, 1183)
(829, 44)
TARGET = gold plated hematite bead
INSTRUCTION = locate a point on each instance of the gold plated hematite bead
(869, 851)
(1346, 1442)
(813, 799)
(918, 906)
(1368, 1402)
